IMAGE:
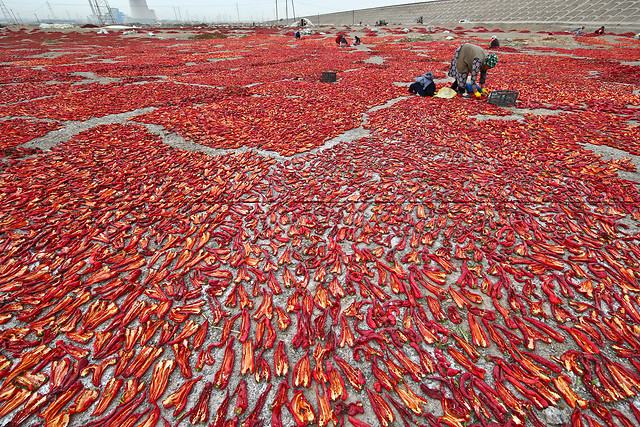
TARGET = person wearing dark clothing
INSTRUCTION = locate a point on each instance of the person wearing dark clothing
(357, 42)
(600, 31)
(494, 42)
(423, 85)
(297, 35)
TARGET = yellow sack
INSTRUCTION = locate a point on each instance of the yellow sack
(446, 92)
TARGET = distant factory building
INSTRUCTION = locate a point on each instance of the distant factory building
(118, 16)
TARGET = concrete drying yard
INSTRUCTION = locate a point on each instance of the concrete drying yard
(199, 230)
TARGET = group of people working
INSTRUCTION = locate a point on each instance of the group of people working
(470, 62)
(598, 32)
(341, 40)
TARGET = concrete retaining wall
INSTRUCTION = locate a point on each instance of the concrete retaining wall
(613, 14)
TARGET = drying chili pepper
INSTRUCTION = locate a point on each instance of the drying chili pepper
(160, 379)
(381, 408)
(223, 374)
(302, 412)
(242, 399)
(280, 360)
(178, 399)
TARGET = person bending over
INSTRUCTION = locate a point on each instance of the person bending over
(470, 61)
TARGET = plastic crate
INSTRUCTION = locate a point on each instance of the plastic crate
(503, 98)
(329, 76)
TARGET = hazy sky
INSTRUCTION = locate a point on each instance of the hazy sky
(194, 10)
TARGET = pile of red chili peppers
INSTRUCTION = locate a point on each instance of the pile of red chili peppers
(456, 266)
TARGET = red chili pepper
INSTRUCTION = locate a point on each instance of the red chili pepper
(466, 363)
(283, 319)
(263, 370)
(108, 394)
(178, 399)
(33, 404)
(381, 408)
(53, 409)
(255, 414)
(221, 413)
(83, 401)
(223, 374)
(354, 376)
(160, 379)
(247, 360)
(280, 360)
(325, 414)
(199, 414)
(478, 337)
(302, 372)
(357, 423)
(337, 388)
(242, 400)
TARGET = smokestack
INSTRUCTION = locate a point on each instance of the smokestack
(140, 10)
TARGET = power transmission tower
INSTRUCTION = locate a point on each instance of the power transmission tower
(6, 13)
(53, 15)
(103, 11)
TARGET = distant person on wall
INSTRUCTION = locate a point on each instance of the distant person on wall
(423, 85)
(470, 61)
(600, 31)
(494, 42)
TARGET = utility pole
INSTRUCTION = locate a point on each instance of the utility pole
(238, 11)
(276, 11)
(286, 10)
(294, 10)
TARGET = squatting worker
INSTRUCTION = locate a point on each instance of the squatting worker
(423, 85)
(470, 61)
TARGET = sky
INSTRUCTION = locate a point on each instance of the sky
(192, 10)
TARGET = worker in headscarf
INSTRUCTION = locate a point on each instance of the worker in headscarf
(423, 85)
(494, 42)
(471, 61)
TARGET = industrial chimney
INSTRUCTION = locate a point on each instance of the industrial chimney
(140, 10)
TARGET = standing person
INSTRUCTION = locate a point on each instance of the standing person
(423, 85)
(470, 61)
(494, 42)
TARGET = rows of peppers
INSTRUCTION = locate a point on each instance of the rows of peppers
(155, 264)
